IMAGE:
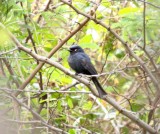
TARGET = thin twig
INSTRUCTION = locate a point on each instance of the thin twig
(94, 91)
(35, 114)
(10, 51)
(149, 3)
(144, 24)
(125, 44)
(45, 91)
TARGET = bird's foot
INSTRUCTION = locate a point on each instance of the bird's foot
(76, 74)
(81, 75)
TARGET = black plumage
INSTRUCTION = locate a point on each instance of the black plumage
(81, 63)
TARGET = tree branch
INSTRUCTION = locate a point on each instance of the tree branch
(125, 44)
(55, 49)
(35, 114)
(87, 83)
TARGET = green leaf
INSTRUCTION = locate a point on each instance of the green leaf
(59, 106)
(119, 53)
(109, 88)
(59, 120)
(136, 107)
(69, 102)
(125, 130)
(56, 95)
(89, 45)
(72, 131)
(91, 116)
(144, 117)
(48, 46)
(139, 52)
(86, 38)
(128, 10)
(158, 60)
(87, 106)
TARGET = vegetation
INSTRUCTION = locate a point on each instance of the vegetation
(41, 94)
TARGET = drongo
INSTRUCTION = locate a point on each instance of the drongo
(80, 62)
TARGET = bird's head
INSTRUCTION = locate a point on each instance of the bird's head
(75, 48)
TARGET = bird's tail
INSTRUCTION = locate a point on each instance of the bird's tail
(99, 87)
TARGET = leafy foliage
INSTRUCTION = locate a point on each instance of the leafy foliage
(54, 95)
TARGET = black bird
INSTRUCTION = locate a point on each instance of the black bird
(81, 63)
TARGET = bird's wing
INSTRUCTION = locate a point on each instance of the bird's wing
(86, 63)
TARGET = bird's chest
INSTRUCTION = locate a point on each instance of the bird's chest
(74, 60)
(75, 63)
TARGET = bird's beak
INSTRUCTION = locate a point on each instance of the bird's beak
(69, 50)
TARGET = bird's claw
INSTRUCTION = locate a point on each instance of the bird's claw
(76, 73)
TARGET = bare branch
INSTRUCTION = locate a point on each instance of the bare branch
(150, 4)
(36, 115)
(10, 51)
(87, 83)
(125, 44)
(56, 48)
(144, 24)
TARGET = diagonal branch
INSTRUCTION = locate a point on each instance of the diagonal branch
(56, 48)
(125, 44)
(35, 114)
(108, 99)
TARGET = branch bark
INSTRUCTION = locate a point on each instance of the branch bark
(87, 83)
(125, 44)
(35, 114)
(55, 49)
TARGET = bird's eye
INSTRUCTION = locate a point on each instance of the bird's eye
(75, 50)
